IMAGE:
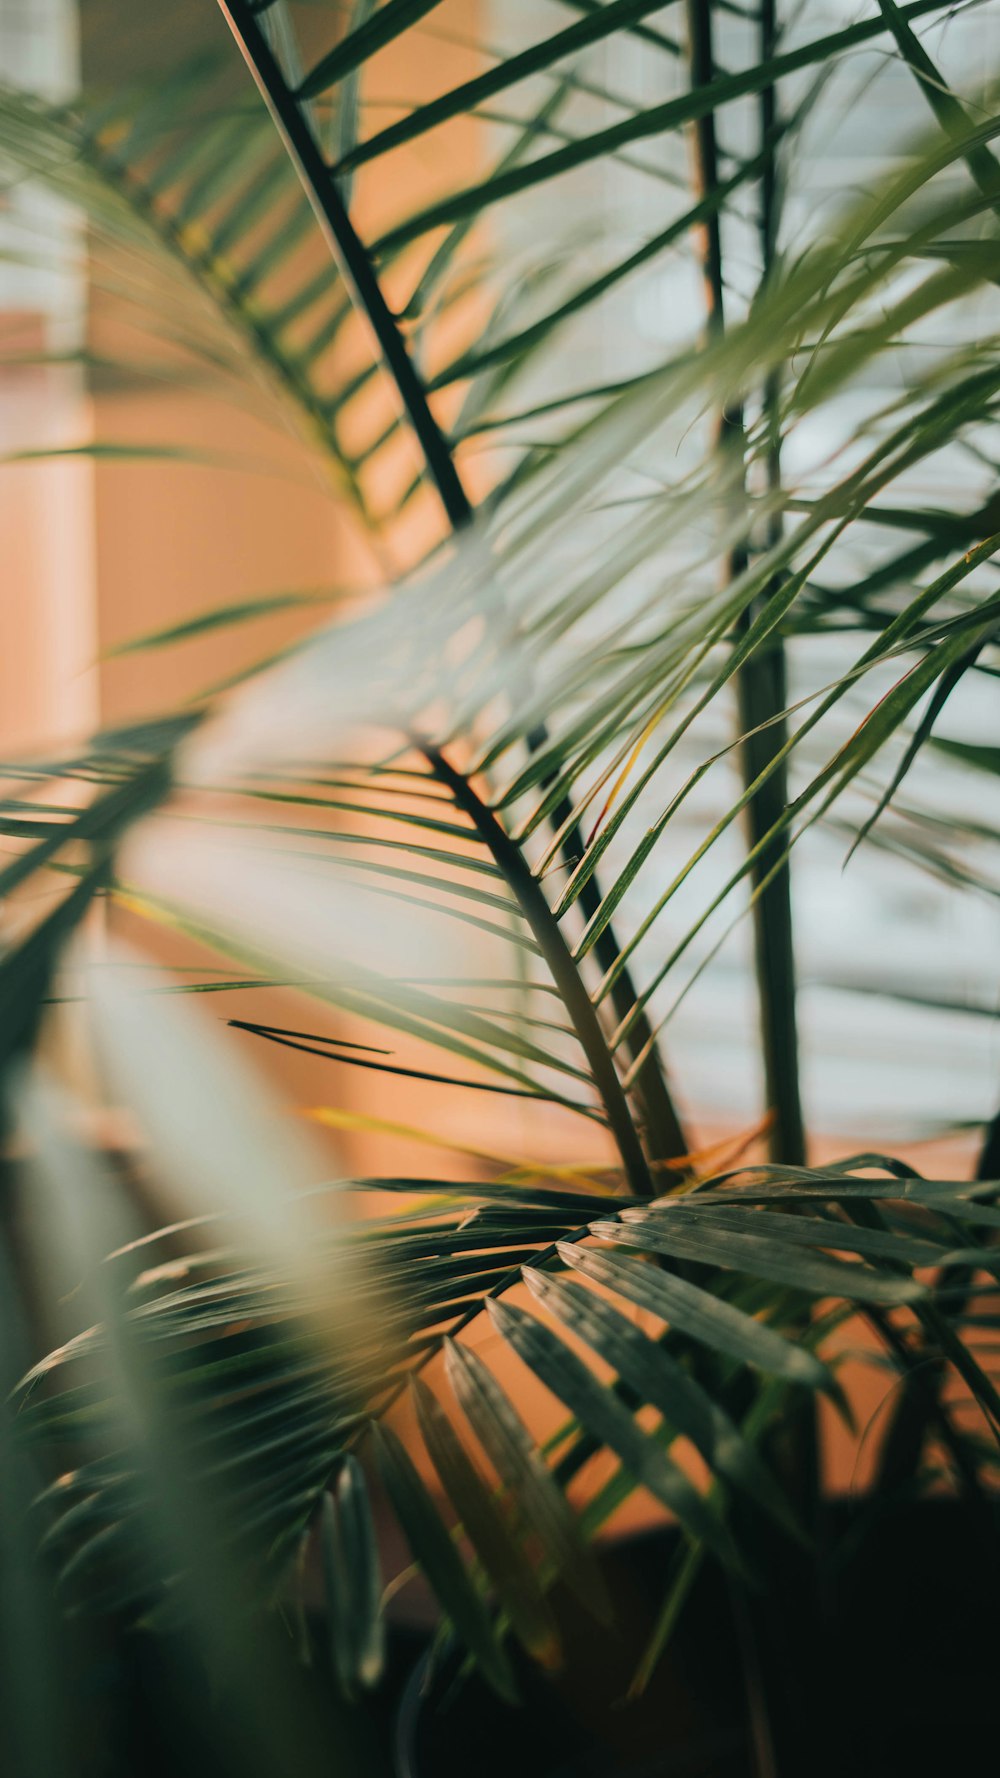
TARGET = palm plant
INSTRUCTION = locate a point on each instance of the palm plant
(502, 750)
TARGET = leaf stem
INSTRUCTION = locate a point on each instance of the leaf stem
(761, 681)
(349, 253)
(525, 887)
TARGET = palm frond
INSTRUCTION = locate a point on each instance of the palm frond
(277, 1420)
(444, 777)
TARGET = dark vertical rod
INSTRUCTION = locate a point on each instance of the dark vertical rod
(763, 695)
(760, 684)
(988, 1165)
(794, 1447)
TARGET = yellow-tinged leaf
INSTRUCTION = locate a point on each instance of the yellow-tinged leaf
(337, 1117)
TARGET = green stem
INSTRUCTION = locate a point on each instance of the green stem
(761, 682)
(548, 936)
(349, 253)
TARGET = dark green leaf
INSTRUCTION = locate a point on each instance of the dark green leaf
(532, 1489)
(353, 1584)
(603, 1415)
(656, 1378)
(388, 23)
(698, 1313)
(685, 1236)
(433, 1548)
(499, 1550)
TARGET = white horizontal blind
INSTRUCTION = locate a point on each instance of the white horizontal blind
(39, 265)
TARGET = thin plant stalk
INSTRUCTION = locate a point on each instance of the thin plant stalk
(761, 682)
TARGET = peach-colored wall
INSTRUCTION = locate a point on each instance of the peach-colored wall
(48, 607)
(172, 538)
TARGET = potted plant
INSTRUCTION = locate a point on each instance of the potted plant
(502, 751)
